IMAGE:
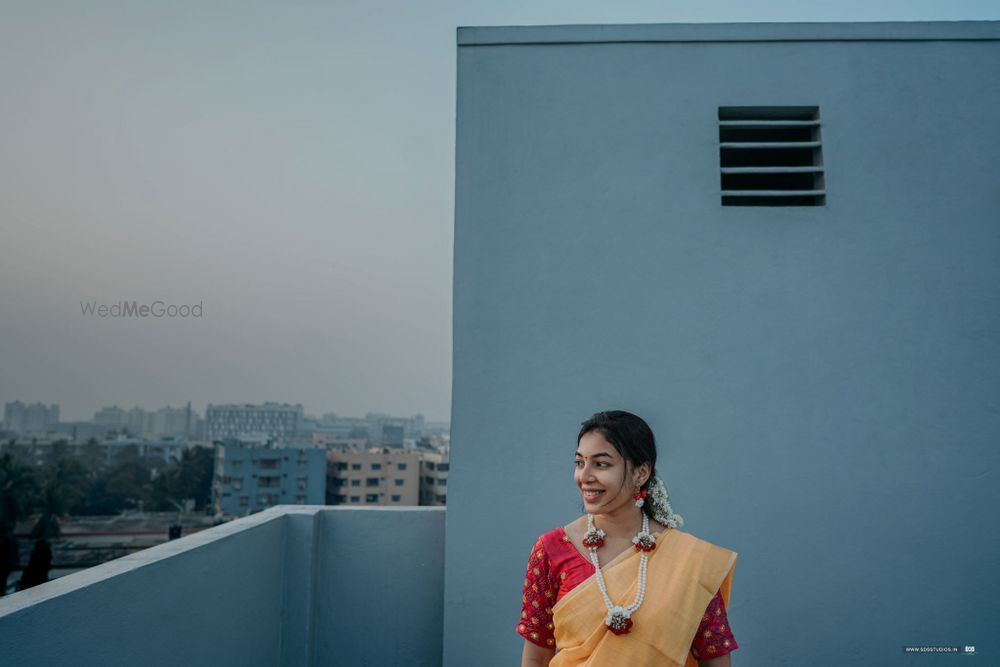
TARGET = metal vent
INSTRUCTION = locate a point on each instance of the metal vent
(771, 156)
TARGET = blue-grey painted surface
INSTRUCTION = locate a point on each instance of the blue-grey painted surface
(212, 598)
(300, 570)
(382, 593)
(824, 382)
(289, 586)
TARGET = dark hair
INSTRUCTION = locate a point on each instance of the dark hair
(631, 437)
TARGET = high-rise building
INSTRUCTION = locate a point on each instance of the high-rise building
(135, 421)
(33, 418)
(385, 476)
(258, 422)
(434, 466)
(175, 421)
(249, 478)
(114, 417)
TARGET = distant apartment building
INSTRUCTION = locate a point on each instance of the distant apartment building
(249, 478)
(388, 431)
(175, 421)
(378, 429)
(268, 421)
(34, 418)
(386, 476)
(392, 435)
(339, 441)
(139, 421)
(347, 427)
(434, 468)
(113, 417)
(435, 429)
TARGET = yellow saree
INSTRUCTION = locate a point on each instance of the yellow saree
(682, 576)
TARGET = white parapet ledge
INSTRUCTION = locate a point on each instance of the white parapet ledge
(731, 32)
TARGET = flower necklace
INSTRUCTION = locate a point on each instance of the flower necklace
(619, 619)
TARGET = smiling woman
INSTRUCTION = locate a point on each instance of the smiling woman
(621, 585)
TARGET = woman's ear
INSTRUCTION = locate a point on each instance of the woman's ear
(642, 474)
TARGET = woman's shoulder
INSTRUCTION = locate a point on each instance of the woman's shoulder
(552, 536)
(555, 539)
(655, 527)
(701, 543)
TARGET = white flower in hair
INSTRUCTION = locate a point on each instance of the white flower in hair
(662, 511)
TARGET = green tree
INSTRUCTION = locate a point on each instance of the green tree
(195, 477)
(92, 456)
(191, 477)
(127, 479)
(18, 487)
(57, 451)
(64, 484)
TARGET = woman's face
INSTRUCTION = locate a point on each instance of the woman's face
(600, 472)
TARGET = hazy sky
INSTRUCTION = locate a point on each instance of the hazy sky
(287, 164)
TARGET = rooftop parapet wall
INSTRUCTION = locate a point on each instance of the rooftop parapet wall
(291, 586)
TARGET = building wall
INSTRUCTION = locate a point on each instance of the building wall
(111, 416)
(249, 478)
(823, 382)
(30, 418)
(270, 420)
(175, 421)
(380, 477)
(434, 468)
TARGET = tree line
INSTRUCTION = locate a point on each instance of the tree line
(78, 480)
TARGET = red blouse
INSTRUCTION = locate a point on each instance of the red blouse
(556, 567)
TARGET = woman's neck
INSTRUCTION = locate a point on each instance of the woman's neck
(624, 522)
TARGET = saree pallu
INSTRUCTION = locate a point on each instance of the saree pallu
(682, 576)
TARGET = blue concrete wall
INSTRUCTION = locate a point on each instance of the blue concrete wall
(824, 382)
(212, 598)
(380, 596)
(292, 585)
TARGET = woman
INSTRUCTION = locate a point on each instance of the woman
(621, 586)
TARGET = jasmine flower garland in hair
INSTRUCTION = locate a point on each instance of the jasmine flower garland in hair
(662, 511)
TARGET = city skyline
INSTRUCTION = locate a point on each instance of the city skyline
(200, 411)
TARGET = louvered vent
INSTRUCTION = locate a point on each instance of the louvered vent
(771, 156)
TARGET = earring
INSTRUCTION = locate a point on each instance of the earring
(639, 498)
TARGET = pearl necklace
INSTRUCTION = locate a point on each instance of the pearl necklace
(619, 619)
